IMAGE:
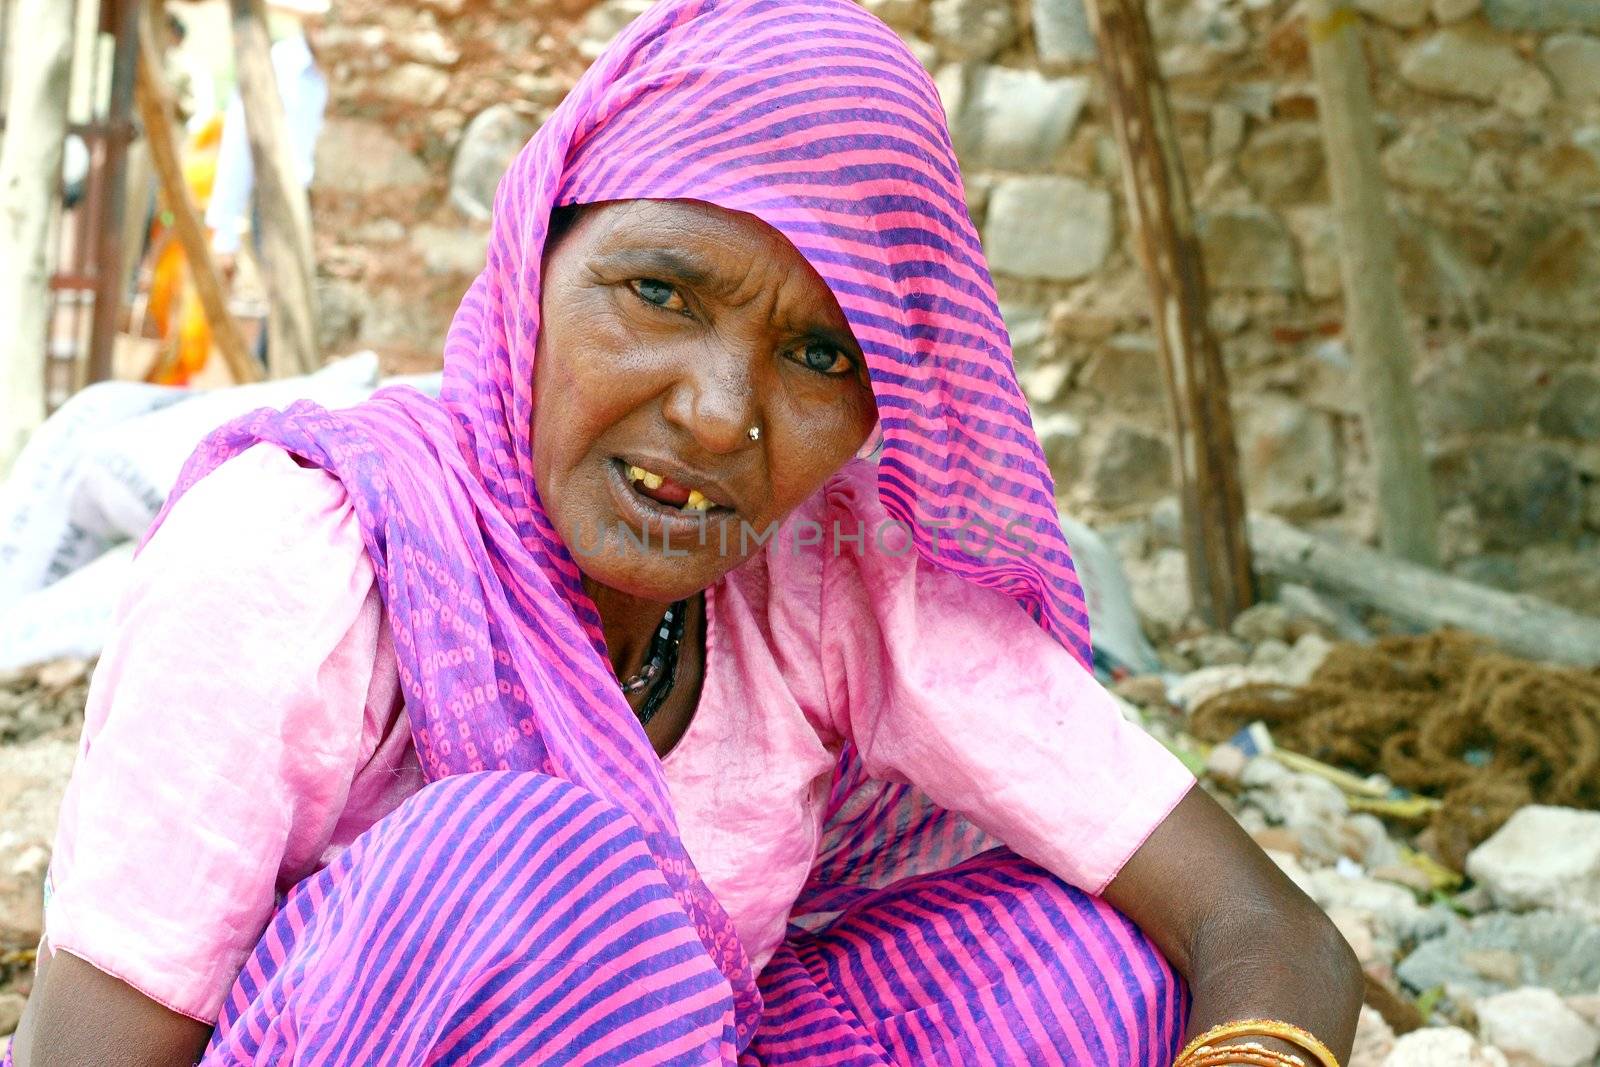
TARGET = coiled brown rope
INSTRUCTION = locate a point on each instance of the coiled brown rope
(1445, 715)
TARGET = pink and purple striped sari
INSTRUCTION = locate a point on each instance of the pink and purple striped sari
(534, 904)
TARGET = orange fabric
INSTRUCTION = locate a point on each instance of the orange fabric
(174, 306)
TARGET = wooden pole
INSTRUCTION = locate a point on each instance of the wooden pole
(285, 214)
(30, 189)
(155, 111)
(1376, 326)
(109, 293)
(1211, 496)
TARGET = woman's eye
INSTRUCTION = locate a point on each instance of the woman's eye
(825, 359)
(659, 293)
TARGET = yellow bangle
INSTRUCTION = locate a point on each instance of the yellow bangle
(1250, 1054)
(1294, 1035)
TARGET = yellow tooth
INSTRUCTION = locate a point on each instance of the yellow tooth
(696, 501)
(639, 474)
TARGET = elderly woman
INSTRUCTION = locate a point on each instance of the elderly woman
(702, 680)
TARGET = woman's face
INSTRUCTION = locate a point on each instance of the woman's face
(668, 329)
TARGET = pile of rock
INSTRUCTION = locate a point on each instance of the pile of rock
(41, 713)
(42, 700)
(1499, 968)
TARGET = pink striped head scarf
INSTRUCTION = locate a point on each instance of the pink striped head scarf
(814, 117)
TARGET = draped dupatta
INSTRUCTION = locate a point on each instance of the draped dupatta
(812, 116)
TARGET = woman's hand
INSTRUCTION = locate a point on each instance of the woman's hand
(1248, 942)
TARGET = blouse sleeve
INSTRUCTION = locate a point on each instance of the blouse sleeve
(224, 727)
(954, 689)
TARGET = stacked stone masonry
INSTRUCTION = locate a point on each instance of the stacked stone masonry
(1489, 112)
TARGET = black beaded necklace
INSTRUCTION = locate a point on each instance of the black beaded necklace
(660, 668)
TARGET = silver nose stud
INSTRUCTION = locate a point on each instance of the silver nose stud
(754, 433)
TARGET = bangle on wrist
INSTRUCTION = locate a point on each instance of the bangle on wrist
(1204, 1051)
(1253, 1054)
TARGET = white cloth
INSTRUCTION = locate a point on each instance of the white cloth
(305, 100)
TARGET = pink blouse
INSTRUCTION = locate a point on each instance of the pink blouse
(245, 725)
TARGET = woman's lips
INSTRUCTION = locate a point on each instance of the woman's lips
(644, 510)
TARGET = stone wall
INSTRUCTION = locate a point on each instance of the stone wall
(1490, 114)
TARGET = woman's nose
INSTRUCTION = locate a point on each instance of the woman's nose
(716, 398)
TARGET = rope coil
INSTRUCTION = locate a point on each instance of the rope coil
(1446, 715)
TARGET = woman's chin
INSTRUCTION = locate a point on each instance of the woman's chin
(651, 577)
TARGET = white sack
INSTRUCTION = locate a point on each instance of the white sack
(129, 469)
(71, 617)
(39, 540)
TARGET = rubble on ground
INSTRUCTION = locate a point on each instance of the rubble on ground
(1490, 962)
(43, 700)
(41, 714)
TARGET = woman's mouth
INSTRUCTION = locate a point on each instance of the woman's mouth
(649, 500)
(664, 490)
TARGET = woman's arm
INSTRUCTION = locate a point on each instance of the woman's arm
(1248, 942)
(78, 1016)
(225, 725)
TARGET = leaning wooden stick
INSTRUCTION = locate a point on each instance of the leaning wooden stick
(153, 101)
(292, 344)
(1207, 459)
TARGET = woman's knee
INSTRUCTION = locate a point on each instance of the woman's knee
(466, 810)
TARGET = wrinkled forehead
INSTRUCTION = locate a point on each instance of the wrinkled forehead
(810, 115)
(728, 256)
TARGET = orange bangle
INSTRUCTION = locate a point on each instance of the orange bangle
(1294, 1035)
